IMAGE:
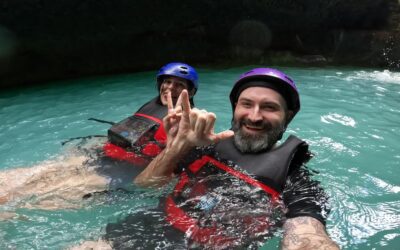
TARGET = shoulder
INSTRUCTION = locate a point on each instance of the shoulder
(303, 195)
(152, 102)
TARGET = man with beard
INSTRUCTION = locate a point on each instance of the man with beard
(232, 186)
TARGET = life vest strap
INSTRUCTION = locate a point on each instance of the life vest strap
(213, 235)
(119, 153)
(159, 121)
(198, 164)
(206, 236)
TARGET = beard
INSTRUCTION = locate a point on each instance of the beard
(254, 143)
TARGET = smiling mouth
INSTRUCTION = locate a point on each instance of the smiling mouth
(165, 94)
(253, 128)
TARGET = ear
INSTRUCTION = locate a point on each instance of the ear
(289, 116)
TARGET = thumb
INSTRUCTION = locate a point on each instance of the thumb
(223, 135)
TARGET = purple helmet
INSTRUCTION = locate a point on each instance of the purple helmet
(270, 78)
(181, 70)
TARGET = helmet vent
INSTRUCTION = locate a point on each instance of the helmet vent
(181, 70)
(184, 70)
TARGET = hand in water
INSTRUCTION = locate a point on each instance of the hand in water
(192, 127)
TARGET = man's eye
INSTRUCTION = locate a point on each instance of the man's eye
(246, 105)
(168, 81)
(269, 107)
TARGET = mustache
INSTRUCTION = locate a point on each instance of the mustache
(257, 125)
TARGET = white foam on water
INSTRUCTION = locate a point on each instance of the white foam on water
(385, 76)
(338, 118)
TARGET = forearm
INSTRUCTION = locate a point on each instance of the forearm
(306, 233)
(161, 169)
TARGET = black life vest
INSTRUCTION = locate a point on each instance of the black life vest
(260, 177)
(140, 137)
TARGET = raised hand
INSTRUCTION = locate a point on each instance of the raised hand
(190, 127)
(186, 128)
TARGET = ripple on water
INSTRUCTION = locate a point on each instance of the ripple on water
(338, 118)
(356, 222)
(331, 145)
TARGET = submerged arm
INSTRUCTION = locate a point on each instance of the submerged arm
(306, 233)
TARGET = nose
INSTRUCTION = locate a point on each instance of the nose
(254, 114)
(168, 85)
(171, 85)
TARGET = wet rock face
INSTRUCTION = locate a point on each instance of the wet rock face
(43, 40)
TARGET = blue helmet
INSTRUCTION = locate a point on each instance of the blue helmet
(181, 70)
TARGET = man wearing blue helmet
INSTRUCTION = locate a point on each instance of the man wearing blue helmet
(131, 144)
(232, 187)
(144, 129)
(136, 140)
(182, 76)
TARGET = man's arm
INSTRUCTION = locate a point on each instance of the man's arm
(161, 169)
(186, 129)
(306, 233)
(68, 180)
(93, 245)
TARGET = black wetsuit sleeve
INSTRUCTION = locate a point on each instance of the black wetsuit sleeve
(193, 155)
(304, 196)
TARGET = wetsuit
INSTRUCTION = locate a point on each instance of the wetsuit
(227, 199)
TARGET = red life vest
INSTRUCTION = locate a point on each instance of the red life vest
(260, 177)
(138, 138)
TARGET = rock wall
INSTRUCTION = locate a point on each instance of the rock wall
(43, 40)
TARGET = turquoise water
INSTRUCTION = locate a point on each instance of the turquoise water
(350, 118)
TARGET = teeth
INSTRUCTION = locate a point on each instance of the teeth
(251, 127)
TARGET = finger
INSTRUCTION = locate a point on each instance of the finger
(209, 128)
(223, 135)
(193, 118)
(167, 121)
(185, 104)
(200, 125)
(178, 103)
(174, 130)
(170, 119)
(178, 110)
(169, 102)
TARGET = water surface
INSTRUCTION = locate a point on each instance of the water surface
(350, 117)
